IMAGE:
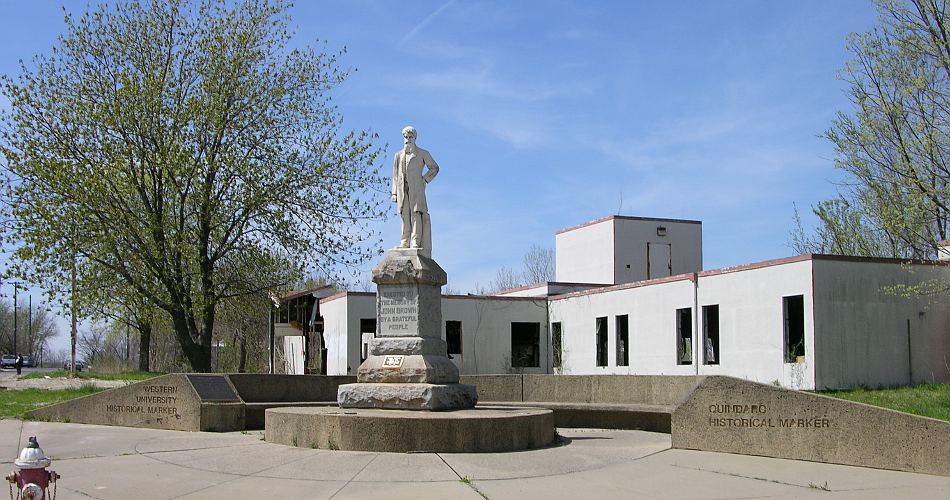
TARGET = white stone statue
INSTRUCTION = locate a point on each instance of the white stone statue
(409, 192)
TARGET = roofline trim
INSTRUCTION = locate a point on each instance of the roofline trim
(627, 217)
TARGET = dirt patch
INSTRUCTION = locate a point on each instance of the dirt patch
(8, 380)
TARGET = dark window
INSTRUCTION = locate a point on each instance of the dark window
(367, 332)
(525, 345)
(368, 325)
(711, 335)
(622, 341)
(684, 336)
(453, 336)
(601, 341)
(793, 309)
(556, 343)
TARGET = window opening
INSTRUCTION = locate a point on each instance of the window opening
(525, 345)
(684, 336)
(793, 309)
(453, 337)
(601, 341)
(367, 333)
(711, 334)
(622, 339)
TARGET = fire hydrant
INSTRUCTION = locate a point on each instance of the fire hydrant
(32, 480)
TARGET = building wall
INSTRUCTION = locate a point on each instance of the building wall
(486, 332)
(868, 337)
(333, 313)
(632, 236)
(293, 354)
(549, 288)
(853, 333)
(752, 326)
(751, 332)
(652, 325)
(486, 323)
(536, 290)
(585, 254)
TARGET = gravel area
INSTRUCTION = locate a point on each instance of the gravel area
(8, 380)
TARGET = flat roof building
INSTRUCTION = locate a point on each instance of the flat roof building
(631, 298)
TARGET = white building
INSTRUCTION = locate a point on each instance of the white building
(632, 298)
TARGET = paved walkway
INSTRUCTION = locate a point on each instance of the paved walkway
(118, 462)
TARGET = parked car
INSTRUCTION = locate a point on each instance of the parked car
(27, 361)
(8, 361)
(79, 365)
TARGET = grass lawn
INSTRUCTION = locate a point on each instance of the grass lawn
(97, 375)
(929, 400)
(15, 403)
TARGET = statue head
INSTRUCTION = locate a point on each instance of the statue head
(409, 135)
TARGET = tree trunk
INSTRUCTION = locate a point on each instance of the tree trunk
(145, 342)
(242, 357)
(198, 354)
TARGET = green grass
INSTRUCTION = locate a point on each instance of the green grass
(929, 400)
(97, 375)
(15, 403)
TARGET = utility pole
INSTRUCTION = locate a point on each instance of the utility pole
(16, 349)
(29, 324)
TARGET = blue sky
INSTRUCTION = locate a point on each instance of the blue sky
(547, 114)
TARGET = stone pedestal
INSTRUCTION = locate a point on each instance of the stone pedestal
(407, 367)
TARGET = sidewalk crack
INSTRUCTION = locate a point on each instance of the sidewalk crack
(350, 480)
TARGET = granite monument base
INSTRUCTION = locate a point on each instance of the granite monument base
(480, 430)
(399, 396)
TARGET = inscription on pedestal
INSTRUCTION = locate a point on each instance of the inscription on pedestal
(392, 361)
(398, 310)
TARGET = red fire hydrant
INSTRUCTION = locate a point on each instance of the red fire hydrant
(32, 480)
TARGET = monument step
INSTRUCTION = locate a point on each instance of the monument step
(645, 417)
(434, 397)
(478, 430)
(383, 346)
(254, 412)
(408, 369)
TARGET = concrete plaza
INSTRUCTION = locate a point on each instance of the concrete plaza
(119, 462)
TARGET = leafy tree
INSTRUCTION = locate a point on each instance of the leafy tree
(244, 333)
(895, 145)
(174, 145)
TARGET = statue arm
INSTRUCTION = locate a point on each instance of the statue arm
(433, 168)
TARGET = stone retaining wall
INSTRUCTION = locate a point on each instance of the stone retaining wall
(737, 416)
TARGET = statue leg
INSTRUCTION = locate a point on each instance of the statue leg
(426, 233)
(417, 228)
(406, 215)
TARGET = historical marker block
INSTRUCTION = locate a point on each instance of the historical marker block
(737, 416)
(175, 402)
